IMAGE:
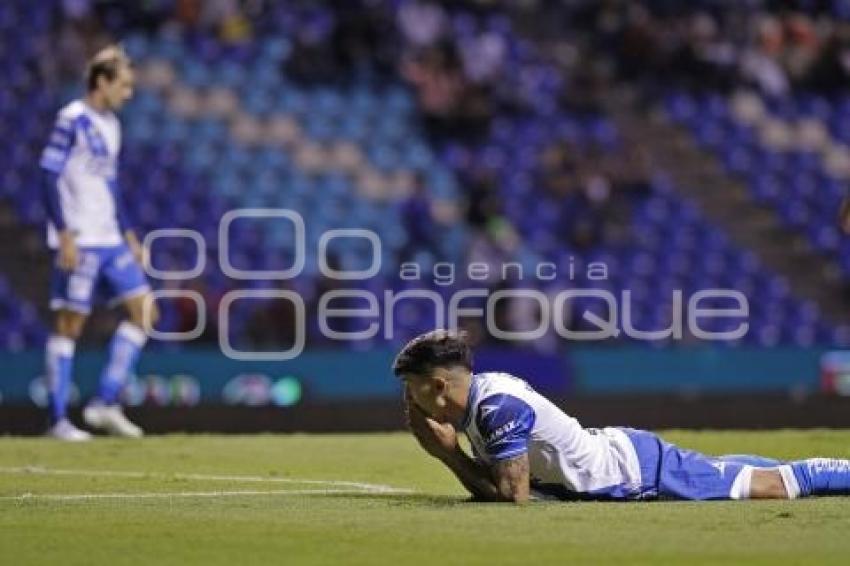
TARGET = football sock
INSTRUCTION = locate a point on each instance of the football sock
(817, 476)
(124, 350)
(59, 359)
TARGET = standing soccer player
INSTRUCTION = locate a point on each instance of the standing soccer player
(93, 247)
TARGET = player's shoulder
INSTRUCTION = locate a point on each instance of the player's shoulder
(72, 110)
(79, 107)
(497, 382)
(501, 403)
(499, 389)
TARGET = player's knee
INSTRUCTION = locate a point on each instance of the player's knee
(767, 484)
(143, 313)
(154, 313)
(70, 324)
(138, 318)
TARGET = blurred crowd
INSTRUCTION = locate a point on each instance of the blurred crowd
(470, 59)
(474, 64)
(775, 46)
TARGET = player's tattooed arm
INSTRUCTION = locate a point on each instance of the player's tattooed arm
(511, 478)
(507, 480)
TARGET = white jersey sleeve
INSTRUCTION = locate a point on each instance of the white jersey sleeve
(506, 418)
(61, 141)
(83, 154)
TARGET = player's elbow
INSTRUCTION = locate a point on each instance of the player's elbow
(513, 494)
(518, 498)
(511, 478)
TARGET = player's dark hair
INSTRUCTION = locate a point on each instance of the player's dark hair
(435, 349)
(105, 64)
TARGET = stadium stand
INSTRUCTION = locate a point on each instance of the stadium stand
(413, 138)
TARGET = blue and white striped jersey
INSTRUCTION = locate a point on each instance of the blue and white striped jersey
(83, 154)
(506, 417)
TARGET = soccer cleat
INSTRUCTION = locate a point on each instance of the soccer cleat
(111, 419)
(64, 430)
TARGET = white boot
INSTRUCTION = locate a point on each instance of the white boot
(111, 419)
(64, 430)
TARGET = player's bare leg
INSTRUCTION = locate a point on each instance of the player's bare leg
(105, 411)
(59, 360)
(767, 484)
(70, 324)
(803, 478)
(136, 311)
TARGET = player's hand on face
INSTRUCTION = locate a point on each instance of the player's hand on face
(67, 252)
(445, 434)
(437, 439)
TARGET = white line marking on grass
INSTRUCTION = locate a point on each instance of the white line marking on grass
(180, 494)
(354, 487)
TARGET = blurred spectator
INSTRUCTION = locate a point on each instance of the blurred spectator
(417, 213)
(313, 57)
(422, 23)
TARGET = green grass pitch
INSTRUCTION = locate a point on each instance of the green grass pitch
(341, 499)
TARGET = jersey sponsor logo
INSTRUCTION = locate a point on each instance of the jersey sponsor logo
(102, 167)
(503, 430)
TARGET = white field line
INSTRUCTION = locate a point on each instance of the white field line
(180, 494)
(334, 486)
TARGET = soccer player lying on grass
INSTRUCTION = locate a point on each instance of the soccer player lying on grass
(524, 446)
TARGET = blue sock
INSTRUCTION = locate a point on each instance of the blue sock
(822, 476)
(59, 360)
(124, 350)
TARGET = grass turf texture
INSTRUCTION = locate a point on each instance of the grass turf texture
(434, 524)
